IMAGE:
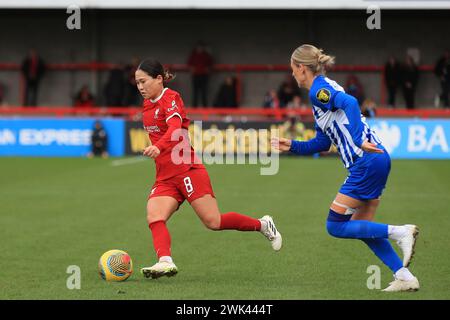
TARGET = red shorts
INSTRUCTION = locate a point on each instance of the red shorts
(191, 185)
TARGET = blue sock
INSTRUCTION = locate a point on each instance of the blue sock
(340, 226)
(373, 234)
(384, 251)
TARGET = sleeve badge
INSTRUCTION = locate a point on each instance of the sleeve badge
(323, 95)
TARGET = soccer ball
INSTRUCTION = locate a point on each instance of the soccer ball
(115, 265)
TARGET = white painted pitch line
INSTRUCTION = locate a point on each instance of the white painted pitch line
(123, 162)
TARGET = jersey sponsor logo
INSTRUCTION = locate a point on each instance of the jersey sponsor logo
(323, 95)
(152, 128)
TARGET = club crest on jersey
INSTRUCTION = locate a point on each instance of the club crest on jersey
(174, 106)
(323, 95)
(156, 113)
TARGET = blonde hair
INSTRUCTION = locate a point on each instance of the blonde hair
(313, 58)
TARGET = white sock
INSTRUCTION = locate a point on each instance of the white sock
(396, 232)
(166, 259)
(263, 225)
(404, 274)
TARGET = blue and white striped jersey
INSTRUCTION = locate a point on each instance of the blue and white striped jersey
(338, 121)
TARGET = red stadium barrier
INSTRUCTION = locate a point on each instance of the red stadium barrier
(238, 69)
(206, 113)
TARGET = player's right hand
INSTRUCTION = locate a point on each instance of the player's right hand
(151, 151)
(281, 144)
(371, 147)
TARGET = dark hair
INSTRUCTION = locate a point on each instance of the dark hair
(154, 68)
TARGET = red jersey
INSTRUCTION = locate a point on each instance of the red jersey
(155, 116)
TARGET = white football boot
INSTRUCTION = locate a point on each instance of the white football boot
(269, 230)
(408, 242)
(159, 269)
(402, 285)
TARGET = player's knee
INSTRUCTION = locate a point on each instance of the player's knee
(212, 223)
(336, 223)
(333, 229)
(154, 216)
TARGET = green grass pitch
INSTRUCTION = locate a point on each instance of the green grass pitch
(61, 212)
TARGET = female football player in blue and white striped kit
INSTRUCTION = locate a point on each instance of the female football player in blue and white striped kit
(338, 121)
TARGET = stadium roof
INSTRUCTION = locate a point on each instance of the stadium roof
(228, 4)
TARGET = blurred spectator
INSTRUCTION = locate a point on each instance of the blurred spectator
(99, 140)
(200, 63)
(293, 128)
(409, 77)
(226, 97)
(84, 98)
(392, 78)
(293, 125)
(132, 95)
(288, 89)
(296, 103)
(271, 100)
(33, 68)
(2, 93)
(368, 108)
(354, 88)
(115, 87)
(442, 71)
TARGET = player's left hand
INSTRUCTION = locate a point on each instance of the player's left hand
(371, 147)
(151, 151)
(281, 144)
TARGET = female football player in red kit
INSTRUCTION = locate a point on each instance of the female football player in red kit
(180, 175)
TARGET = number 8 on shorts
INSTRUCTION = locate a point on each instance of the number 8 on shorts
(188, 184)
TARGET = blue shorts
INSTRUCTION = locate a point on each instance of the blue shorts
(367, 177)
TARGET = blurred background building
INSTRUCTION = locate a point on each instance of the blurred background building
(116, 39)
(232, 66)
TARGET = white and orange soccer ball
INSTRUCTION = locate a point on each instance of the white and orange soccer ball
(115, 265)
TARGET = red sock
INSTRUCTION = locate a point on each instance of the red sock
(236, 221)
(161, 238)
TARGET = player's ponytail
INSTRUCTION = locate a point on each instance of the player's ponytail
(154, 68)
(168, 75)
(313, 58)
(325, 61)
